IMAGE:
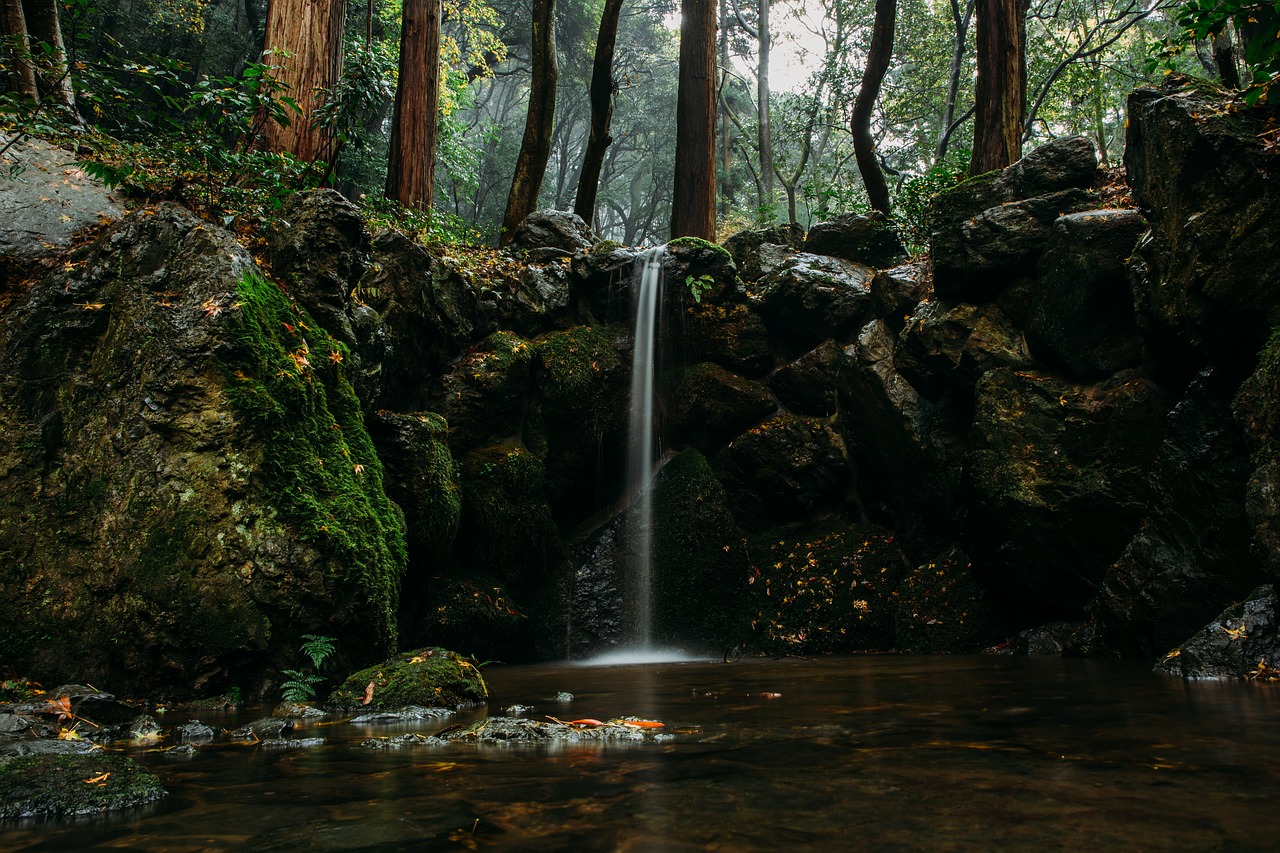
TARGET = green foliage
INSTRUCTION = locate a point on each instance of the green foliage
(1257, 24)
(699, 286)
(317, 647)
(432, 677)
(300, 685)
(913, 202)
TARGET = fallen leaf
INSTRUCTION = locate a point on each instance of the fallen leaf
(368, 694)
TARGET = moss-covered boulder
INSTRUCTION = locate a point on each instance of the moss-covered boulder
(1257, 409)
(708, 406)
(67, 785)
(484, 395)
(187, 484)
(429, 678)
(731, 335)
(477, 614)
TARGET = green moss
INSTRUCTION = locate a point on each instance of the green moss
(699, 243)
(289, 380)
(572, 362)
(430, 678)
(60, 785)
(506, 528)
(600, 251)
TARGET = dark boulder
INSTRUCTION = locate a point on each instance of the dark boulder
(558, 229)
(418, 474)
(1081, 305)
(1242, 642)
(709, 406)
(701, 269)
(1257, 409)
(1063, 163)
(896, 292)
(66, 785)
(784, 468)
(946, 347)
(1055, 483)
(810, 385)
(485, 394)
(757, 252)
(812, 298)
(600, 281)
(940, 607)
(870, 239)
(731, 335)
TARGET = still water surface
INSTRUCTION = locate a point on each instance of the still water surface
(863, 753)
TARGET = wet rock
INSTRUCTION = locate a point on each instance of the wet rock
(404, 741)
(292, 743)
(430, 678)
(909, 443)
(560, 229)
(141, 727)
(1242, 642)
(319, 252)
(1082, 308)
(896, 292)
(296, 711)
(1063, 163)
(193, 730)
(600, 280)
(758, 252)
(409, 713)
(562, 696)
(1015, 300)
(267, 728)
(1049, 640)
(733, 336)
(49, 202)
(813, 297)
(518, 730)
(784, 468)
(471, 608)
(810, 384)
(518, 710)
(49, 746)
(1257, 409)
(65, 785)
(95, 705)
(1204, 179)
(710, 265)
(483, 397)
(419, 476)
(709, 406)
(1190, 558)
(1056, 483)
(544, 297)
(13, 723)
(946, 347)
(870, 239)
(942, 608)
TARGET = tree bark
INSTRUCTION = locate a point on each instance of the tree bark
(764, 137)
(43, 26)
(17, 47)
(602, 88)
(1001, 88)
(412, 158)
(693, 207)
(864, 146)
(535, 147)
(310, 32)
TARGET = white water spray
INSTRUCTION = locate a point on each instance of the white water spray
(642, 445)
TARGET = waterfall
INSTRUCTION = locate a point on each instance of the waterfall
(642, 445)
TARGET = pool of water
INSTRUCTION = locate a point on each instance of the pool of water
(878, 753)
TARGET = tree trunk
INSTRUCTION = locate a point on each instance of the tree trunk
(17, 48)
(310, 33)
(764, 138)
(693, 204)
(864, 146)
(535, 147)
(412, 159)
(1224, 59)
(43, 26)
(725, 167)
(1001, 88)
(961, 23)
(602, 87)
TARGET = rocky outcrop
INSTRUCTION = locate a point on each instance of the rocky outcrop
(758, 253)
(554, 229)
(1242, 642)
(872, 240)
(812, 297)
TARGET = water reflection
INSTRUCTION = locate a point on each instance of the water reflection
(887, 752)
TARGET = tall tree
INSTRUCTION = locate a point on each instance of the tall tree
(535, 147)
(43, 26)
(412, 159)
(602, 89)
(724, 120)
(17, 49)
(1000, 91)
(305, 39)
(864, 146)
(960, 21)
(693, 208)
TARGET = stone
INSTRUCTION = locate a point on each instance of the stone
(813, 297)
(941, 607)
(560, 229)
(691, 260)
(784, 468)
(733, 336)
(319, 252)
(896, 292)
(520, 730)
(54, 785)
(1081, 306)
(1190, 558)
(870, 239)
(600, 280)
(193, 730)
(1048, 640)
(1257, 410)
(1060, 164)
(946, 347)
(47, 201)
(265, 729)
(810, 385)
(1243, 642)
(419, 476)
(1055, 484)
(757, 251)
(429, 678)
(709, 406)
(484, 396)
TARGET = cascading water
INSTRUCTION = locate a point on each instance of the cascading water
(642, 445)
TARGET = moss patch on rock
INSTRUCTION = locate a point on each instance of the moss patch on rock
(63, 785)
(506, 528)
(430, 678)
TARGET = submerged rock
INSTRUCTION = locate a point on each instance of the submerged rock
(65, 785)
(494, 730)
(1243, 642)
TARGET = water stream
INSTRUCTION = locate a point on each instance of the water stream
(642, 448)
(883, 752)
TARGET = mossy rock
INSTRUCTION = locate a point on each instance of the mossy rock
(64, 785)
(484, 395)
(477, 614)
(429, 678)
(829, 588)
(940, 607)
(733, 336)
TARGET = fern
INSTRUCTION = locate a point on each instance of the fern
(300, 687)
(112, 176)
(317, 647)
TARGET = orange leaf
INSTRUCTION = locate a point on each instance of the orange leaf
(586, 722)
(368, 694)
(643, 724)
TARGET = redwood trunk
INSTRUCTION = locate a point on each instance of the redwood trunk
(310, 32)
(693, 211)
(602, 87)
(535, 147)
(17, 48)
(412, 159)
(864, 146)
(1001, 88)
(43, 26)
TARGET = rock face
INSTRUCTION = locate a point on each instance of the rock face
(812, 297)
(187, 467)
(1243, 642)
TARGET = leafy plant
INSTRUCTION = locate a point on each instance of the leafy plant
(699, 286)
(1257, 25)
(318, 647)
(300, 685)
